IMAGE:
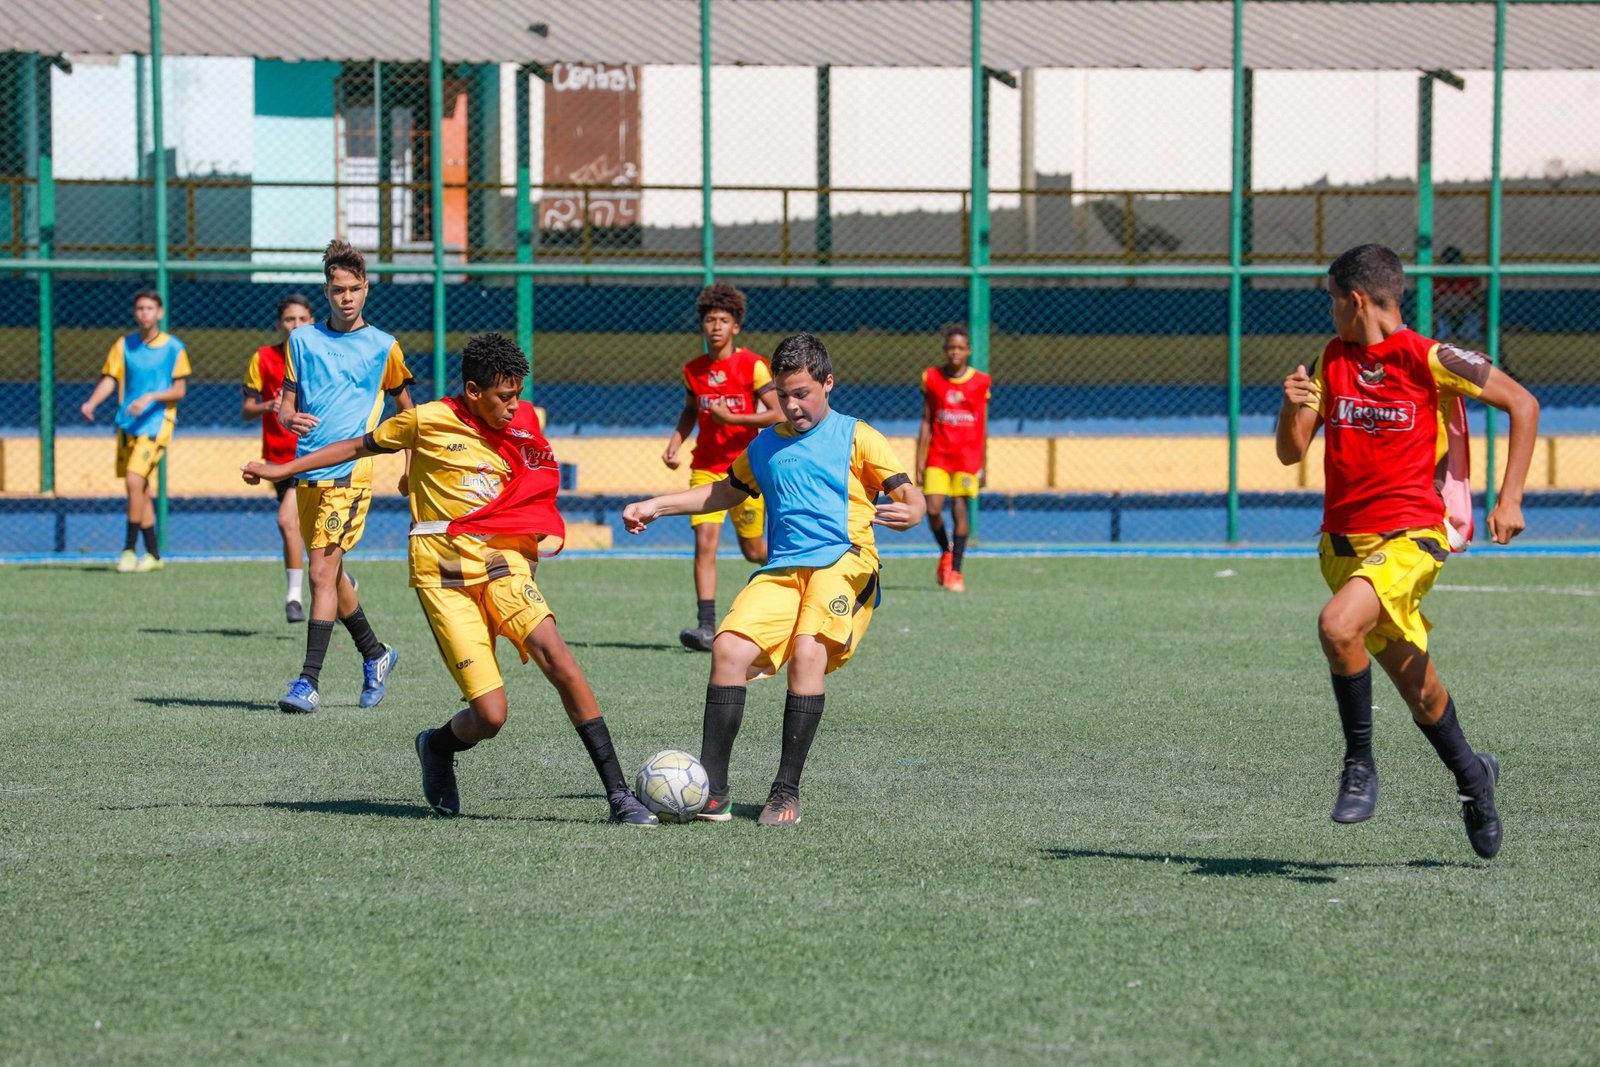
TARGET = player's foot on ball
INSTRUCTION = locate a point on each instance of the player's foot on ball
(955, 583)
(783, 808)
(294, 611)
(1358, 792)
(127, 563)
(438, 778)
(628, 810)
(147, 564)
(301, 699)
(698, 638)
(946, 561)
(374, 673)
(718, 809)
(1479, 813)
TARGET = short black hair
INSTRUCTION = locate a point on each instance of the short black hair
(289, 300)
(720, 297)
(802, 351)
(1373, 269)
(955, 329)
(149, 294)
(491, 358)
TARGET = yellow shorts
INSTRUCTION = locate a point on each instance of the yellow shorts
(833, 603)
(332, 514)
(139, 455)
(466, 619)
(1401, 569)
(749, 518)
(937, 482)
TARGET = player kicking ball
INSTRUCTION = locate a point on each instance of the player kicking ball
(483, 496)
(808, 607)
(1387, 397)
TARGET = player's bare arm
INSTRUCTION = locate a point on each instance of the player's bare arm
(1297, 423)
(350, 448)
(1506, 393)
(680, 432)
(170, 395)
(291, 418)
(403, 402)
(251, 408)
(102, 390)
(770, 415)
(906, 508)
(719, 495)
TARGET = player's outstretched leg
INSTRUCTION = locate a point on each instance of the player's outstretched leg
(732, 655)
(936, 526)
(1358, 782)
(547, 649)
(377, 658)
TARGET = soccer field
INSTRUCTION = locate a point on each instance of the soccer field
(1079, 815)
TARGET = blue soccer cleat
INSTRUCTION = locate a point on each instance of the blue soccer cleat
(301, 699)
(374, 673)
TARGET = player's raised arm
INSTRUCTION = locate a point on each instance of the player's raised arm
(719, 495)
(906, 508)
(1298, 418)
(1506, 393)
(327, 456)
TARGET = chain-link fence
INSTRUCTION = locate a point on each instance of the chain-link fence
(1090, 220)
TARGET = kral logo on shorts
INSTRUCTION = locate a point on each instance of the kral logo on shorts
(1373, 416)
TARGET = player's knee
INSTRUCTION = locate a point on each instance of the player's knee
(491, 716)
(1336, 629)
(754, 550)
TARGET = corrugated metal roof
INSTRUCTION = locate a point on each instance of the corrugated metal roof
(1152, 34)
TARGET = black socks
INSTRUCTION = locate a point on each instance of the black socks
(318, 634)
(724, 713)
(943, 538)
(1447, 739)
(959, 550)
(801, 717)
(367, 642)
(708, 613)
(1353, 692)
(132, 540)
(444, 742)
(597, 740)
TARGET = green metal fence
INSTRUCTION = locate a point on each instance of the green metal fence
(1136, 330)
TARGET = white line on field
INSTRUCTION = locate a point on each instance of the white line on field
(1553, 590)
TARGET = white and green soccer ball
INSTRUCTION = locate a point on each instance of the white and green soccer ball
(673, 784)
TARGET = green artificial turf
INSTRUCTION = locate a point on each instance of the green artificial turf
(1078, 815)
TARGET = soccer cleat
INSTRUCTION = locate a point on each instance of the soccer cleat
(718, 809)
(698, 638)
(301, 699)
(438, 778)
(1480, 814)
(127, 562)
(629, 811)
(955, 583)
(783, 808)
(294, 612)
(374, 673)
(147, 564)
(946, 561)
(1358, 792)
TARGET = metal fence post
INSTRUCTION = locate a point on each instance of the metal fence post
(158, 162)
(436, 198)
(1235, 262)
(1491, 323)
(708, 253)
(978, 309)
(524, 282)
(47, 306)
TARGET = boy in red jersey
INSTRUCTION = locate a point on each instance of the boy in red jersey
(263, 385)
(723, 393)
(953, 448)
(1386, 396)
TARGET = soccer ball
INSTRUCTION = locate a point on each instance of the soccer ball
(673, 784)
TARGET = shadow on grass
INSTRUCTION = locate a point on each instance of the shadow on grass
(59, 567)
(206, 702)
(626, 646)
(219, 631)
(1307, 871)
(393, 809)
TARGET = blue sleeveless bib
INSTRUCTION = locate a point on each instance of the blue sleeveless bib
(805, 481)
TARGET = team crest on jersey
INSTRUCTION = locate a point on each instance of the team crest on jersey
(1377, 559)
(331, 523)
(839, 605)
(1374, 417)
(717, 377)
(1372, 375)
(531, 593)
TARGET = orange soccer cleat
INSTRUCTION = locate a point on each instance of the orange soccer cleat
(946, 561)
(955, 583)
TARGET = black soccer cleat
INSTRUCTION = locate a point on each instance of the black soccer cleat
(294, 611)
(438, 778)
(1480, 814)
(697, 638)
(628, 810)
(1358, 792)
(783, 807)
(718, 809)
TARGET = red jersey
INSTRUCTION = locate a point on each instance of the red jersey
(738, 378)
(958, 417)
(1386, 410)
(263, 380)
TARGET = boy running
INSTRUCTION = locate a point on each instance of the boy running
(334, 380)
(263, 385)
(809, 605)
(953, 448)
(723, 391)
(483, 495)
(149, 370)
(1388, 397)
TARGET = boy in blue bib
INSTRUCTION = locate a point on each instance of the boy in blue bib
(808, 607)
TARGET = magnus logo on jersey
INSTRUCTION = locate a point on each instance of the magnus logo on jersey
(1358, 414)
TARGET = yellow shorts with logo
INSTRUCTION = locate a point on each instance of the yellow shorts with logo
(1401, 569)
(466, 619)
(139, 455)
(749, 518)
(332, 514)
(937, 482)
(833, 603)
